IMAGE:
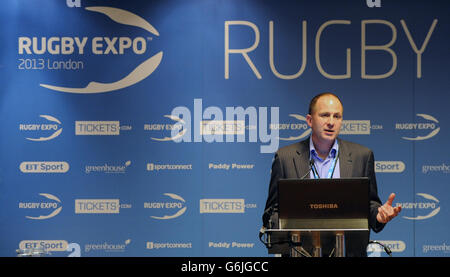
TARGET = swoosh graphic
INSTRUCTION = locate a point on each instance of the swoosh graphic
(125, 17)
(432, 134)
(50, 118)
(427, 116)
(428, 196)
(422, 217)
(138, 74)
(179, 135)
(297, 116)
(180, 212)
(54, 135)
(49, 196)
(174, 196)
(54, 213)
(306, 133)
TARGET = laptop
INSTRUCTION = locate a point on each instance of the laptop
(323, 204)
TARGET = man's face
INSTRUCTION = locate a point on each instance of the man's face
(326, 119)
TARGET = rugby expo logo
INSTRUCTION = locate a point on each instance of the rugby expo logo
(427, 208)
(427, 129)
(175, 206)
(102, 45)
(50, 206)
(42, 131)
(298, 126)
(167, 127)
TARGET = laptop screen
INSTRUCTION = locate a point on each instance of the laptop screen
(323, 203)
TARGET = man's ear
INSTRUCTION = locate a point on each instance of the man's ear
(309, 120)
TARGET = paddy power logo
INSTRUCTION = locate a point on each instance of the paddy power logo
(99, 46)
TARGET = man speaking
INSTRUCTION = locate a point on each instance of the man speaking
(293, 161)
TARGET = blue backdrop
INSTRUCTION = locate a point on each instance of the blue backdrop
(95, 96)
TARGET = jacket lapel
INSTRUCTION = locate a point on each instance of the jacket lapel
(301, 159)
(345, 160)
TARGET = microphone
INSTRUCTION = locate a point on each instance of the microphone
(267, 218)
(311, 166)
(385, 247)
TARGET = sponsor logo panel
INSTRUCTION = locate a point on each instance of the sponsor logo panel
(99, 206)
(426, 127)
(42, 131)
(44, 167)
(428, 207)
(31, 51)
(153, 245)
(389, 166)
(172, 204)
(224, 206)
(49, 205)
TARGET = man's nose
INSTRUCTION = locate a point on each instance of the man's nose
(330, 121)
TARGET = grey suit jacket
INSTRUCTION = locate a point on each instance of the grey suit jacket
(292, 161)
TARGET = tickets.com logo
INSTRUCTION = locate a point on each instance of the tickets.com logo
(99, 206)
(222, 206)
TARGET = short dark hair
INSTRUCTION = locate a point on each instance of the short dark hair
(316, 98)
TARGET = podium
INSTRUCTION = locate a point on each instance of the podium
(320, 214)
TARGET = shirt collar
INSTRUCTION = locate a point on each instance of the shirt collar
(331, 155)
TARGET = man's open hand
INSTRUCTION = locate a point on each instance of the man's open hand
(386, 212)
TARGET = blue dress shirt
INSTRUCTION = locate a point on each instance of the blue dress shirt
(323, 166)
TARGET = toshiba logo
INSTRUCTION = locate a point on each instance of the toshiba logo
(323, 206)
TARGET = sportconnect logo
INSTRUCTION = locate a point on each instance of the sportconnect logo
(102, 45)
(168, 167)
